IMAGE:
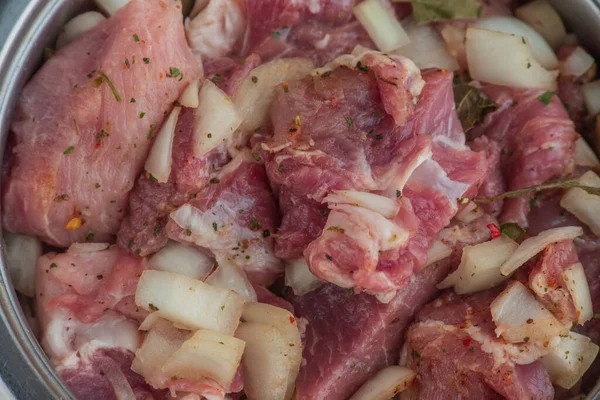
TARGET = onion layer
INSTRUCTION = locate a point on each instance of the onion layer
(578, 287)
(110, 7)
(385, 206)
(160, 158)
(299, 277)
(229, 276)
(591, 95)
(77, 26)
(577, 64)
(22, 253)
(542, 17)
(584, 155)
(186, 260)
(381, 24)
(583, 205)
(385, 384)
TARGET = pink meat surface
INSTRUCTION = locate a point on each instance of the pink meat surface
(537, 142)
(77, 145)
(227, 73)
(445, 347)
(233, 218)
(547, 281)
(143, 230)
(88, 320)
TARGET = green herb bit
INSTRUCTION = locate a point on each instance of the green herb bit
(471, 105)
(546, 97)
(69, 150)
(173, 72)
(151, 132)
(350, 122)
(104, 78)
(146, 60)
(49, 53)
(214, 225)
(512, 230)
(254, 225)
(53, 265)
(136, 38)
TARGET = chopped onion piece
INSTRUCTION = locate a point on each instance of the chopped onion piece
(189, 302)
(533, 245)
(542, 17)
(385, 206)
(504, 59)
(381, 24)
(570, 359)
(583, 205)
(215, 119)
(159, 161)
(229, 276)
(540, 49)
(160, 343)
(437, 252)
(77, 26)
(299, 277)
(470, 213)
(190, 97)
(22, 252)
(479, 267)
(207, 354)
(285, 322)
(578, 287)
(584, 155)
(577, 64)
(426, 48)
(186, 260)
(149, 322)
(385, 384)
(110, 7)
(520, 318)
(87, 247)
(255, 94)
(591, 95)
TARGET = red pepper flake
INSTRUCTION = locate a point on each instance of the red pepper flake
(292, 319)
(466, 342)
(494, 230)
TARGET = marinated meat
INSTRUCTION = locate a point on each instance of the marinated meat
(77, 149)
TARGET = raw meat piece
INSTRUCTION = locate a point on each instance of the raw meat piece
(547, 282)
(350, 336)
(537, 141)
(87, 314)
(233, 218)
(77, 147)
(227, 73)
(143, 230)
(455, 352)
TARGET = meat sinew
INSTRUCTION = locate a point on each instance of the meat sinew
(84, 124)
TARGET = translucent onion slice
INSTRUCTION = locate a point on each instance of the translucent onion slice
(505, 59)
(542, 17)
(533, 245)
(77, 26)
(87, 247)
(381, 24)
(299, 277)
(520, 318)
(426, 48)
(189, 302)
(160, 158)
(190, 97)
(255, 94)
(591, 95)
(470, 213)
(570, 359)
(385, 206)
(186, 260)
(437, 252)
(577, 64)
(583, 205)
(385, 384)
(229, 276)
(215, 119)
(110, 7)
(22, 252)
(578, 287)
(207, 354)
(584, 155)
(479, 267)
(540, 49)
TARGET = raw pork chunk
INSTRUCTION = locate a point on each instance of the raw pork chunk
(358, 128)
(89, 321)
(233, 218)
(536, 138)
(85, 121)
(454, 350)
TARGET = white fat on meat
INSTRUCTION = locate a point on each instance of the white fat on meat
(217, 28)
(431, 174)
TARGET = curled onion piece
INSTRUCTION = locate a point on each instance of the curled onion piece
(299, 277)
(87, 247)
(520, 318)
(540, 49)
(505, 59)
(385, 384)
(229, 276)
(189, 302)
(190, 97)
(186, 260)
(22, 252)
(160, 159)
(584, 155)
(110, 7)
(591, 95)
(437, 252)
(577, 64)
(570, 359)
(385, 206)
(381, 24)
(578, 287)
(77, 26)
(470, 213)
(542, 17)
(533, 245)
(479, 267)
(583, 205)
